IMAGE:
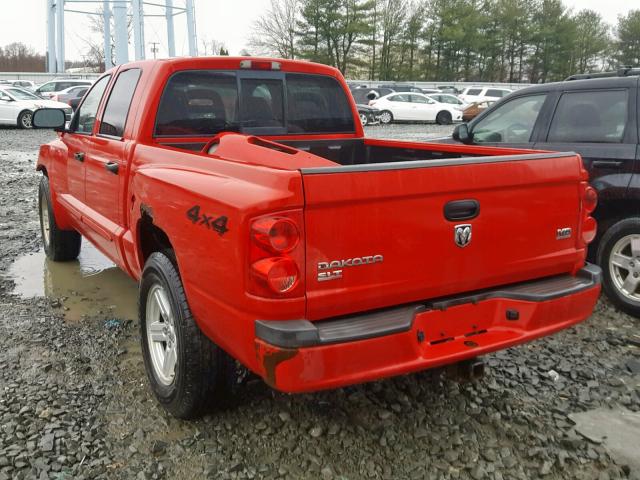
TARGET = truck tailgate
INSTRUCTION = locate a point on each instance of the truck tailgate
(377, 235)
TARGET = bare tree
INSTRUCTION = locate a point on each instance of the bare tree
(211, 47)
(275, 31)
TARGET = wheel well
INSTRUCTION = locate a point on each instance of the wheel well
(43, 169)
(23, 111)
(444, 111)
(151, 238)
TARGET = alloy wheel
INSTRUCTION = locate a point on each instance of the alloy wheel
(161, 334)
(624, 266)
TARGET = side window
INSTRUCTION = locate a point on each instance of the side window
(590, 117)
(117, 109)
(511, 123)
(399, 98)
(474, 91)
(85, 116)
(494, 92)
(47, 87)
(418, 99)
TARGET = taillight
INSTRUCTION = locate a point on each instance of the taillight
(589, 202)
(589, 199)
(279, 273)
(277, 255)
(278, 234)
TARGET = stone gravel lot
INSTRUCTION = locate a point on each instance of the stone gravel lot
(74, 403)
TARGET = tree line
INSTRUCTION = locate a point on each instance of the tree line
(447, 40)
(18, 57)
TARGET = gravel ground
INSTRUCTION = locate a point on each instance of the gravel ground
(75, 403)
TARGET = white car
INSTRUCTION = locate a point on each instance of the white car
(448, 98)
(17, 106)
(481, 94)
(49, 89)
(26, 84)
(416, 107)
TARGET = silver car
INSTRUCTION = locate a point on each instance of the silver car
(17, 106)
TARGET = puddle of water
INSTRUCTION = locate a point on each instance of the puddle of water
(90, 286)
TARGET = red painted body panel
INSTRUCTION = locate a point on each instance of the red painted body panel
(396, 213)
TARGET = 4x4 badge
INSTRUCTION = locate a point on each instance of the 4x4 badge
(462, 234)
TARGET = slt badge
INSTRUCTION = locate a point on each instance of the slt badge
(462, 234)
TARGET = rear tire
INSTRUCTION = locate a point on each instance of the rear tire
(363, 119)
(188, 373)
(386, 117)
(59, 245)
(444, 118)
(24, 119)
(619, 257)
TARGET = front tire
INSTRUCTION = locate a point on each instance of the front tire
(188, 373)
(59, 245)
(386, 117)
(444, 118)
(619, 257)
(25, 119)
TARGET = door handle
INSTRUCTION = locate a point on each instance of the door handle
(112, 167)
(607, 163)
(79, 156)
(461, 210)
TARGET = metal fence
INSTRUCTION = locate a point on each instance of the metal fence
(458, 85)
(39, 78)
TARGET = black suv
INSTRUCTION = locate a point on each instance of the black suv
(595, 115)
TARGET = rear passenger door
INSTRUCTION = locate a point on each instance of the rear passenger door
(597, 124)
(106, 166)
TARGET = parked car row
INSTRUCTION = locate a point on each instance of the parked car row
(408, 103)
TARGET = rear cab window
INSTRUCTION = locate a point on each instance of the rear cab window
(207, 102)
(598, 116)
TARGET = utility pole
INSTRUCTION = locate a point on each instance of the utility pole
(51, 36)
(60, 32)
(171, 42)
(191, 29)
(138, 29)
(121, 32)
(106, 18)
(154, 49)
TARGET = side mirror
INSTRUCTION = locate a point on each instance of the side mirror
(49, 118)
(462, 134)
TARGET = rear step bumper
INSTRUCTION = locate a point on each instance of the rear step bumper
(299, 355)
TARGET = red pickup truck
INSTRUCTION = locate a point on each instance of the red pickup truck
(264, 227)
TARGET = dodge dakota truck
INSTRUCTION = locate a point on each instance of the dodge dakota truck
(265, 228)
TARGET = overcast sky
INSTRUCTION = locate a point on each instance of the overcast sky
(228, 21)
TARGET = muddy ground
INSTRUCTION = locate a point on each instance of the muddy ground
(74, 400)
